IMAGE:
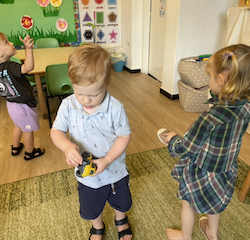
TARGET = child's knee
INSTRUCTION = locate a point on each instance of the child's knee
(186, 204)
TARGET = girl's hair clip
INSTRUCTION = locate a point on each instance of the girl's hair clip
(226, 55)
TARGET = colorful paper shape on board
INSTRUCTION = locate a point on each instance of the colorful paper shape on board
(112, 2)
(85, 2)
(61, 25)
(50, 11)
(90, 24)
(56, 3)
(112, 17)
(100, 34)
(99, 1)
(87, 18)
(26, 22)
(113, 35)
(88, 34)
(99, 17)
(43, 3)
(7, 1)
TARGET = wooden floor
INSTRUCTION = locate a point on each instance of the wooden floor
(147, 110)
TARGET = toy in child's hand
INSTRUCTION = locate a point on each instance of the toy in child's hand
(87, 168)
(160, 132)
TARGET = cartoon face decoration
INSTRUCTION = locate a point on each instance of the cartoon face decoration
(5, 89)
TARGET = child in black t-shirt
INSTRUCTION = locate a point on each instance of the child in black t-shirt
(21, 103)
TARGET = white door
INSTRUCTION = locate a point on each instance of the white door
(157, 37)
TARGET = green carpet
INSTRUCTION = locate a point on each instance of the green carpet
(47, 207)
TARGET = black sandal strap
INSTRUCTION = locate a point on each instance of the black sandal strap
(125, 232)
(96, 231)
(121, 222)
(33, 155)
(18, 149)
(38, 150)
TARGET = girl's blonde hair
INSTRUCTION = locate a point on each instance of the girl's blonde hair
(234, 61)
(89, 63)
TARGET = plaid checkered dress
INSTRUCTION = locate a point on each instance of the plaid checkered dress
(207, 169)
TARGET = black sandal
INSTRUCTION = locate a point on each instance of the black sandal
(126, 231)
(97, 231)
(18, 149)
(33, 155)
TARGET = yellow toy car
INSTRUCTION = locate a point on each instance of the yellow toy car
(87, 168)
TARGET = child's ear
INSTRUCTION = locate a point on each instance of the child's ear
(222, 78)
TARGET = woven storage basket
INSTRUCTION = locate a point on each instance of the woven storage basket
(191, 99)
(193, 73)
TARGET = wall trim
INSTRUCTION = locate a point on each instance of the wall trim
(153, 77)
(132, 71)
(168, 95)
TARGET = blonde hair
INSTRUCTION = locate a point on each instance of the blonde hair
(89, 63)
(3, 37)
(234, 61)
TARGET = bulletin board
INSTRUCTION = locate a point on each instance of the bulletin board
(40, 19)
(69, 21)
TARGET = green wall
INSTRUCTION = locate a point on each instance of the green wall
(11, 14)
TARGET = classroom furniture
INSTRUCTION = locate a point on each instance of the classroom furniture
(15, 59)
(44, 43)
(244, 3)
(47, 43)
(58, 84)
(245, 189)
(42, 58)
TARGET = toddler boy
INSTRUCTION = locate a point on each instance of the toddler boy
(97, 123)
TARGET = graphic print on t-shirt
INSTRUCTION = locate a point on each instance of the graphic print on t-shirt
(7, 88)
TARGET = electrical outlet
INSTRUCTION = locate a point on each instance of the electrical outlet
(128, 43)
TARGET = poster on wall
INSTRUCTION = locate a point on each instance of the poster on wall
(99, 21)
(162, 8)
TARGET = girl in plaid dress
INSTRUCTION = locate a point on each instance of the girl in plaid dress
(207, 168)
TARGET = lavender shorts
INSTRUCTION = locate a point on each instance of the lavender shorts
(23, 116)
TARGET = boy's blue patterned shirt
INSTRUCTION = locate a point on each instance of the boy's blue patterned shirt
(96, 133)
(213, 141)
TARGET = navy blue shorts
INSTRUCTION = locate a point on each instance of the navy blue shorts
(92, 201)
